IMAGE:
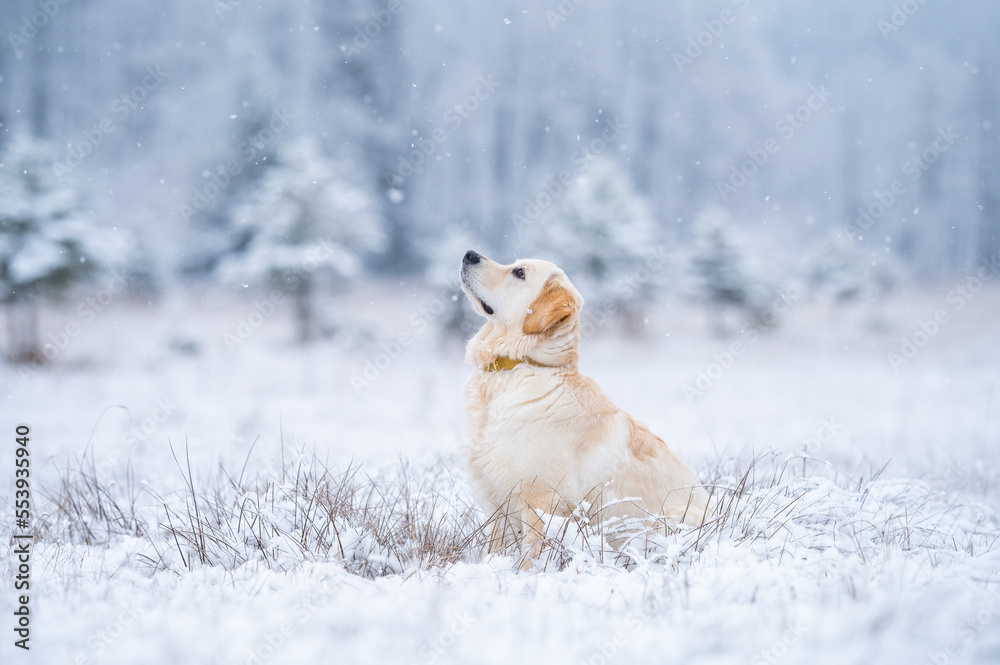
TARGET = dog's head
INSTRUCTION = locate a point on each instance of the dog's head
(531, 307)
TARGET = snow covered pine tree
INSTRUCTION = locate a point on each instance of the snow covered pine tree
(46, 244)
(305, 220)
(841, 269)
(720, 271)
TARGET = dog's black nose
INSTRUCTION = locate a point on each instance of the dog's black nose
(471, 257)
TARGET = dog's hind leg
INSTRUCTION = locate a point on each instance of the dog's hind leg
(536, 502)
(505, 526)
(504, 530)
(534, 536)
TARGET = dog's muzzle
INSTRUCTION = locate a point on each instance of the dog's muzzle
(473, 258)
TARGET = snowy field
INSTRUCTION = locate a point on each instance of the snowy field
(861, 504)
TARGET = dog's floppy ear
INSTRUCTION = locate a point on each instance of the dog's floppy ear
(554, 305)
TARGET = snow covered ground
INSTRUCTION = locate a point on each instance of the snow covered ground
(827, 557)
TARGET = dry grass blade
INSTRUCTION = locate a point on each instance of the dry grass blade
(406, 518)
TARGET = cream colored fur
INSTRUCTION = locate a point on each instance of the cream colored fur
(546, 439)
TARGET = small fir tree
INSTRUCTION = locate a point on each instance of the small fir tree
(46, 244)
(306, 221)
(718, 263)
(841, 269)
(720, 272)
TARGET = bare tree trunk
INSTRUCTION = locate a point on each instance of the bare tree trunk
(850, 200)
(12, 337)
(3, 107)
(304, 311)
(988, 239)
(39, 100)
(22, 333)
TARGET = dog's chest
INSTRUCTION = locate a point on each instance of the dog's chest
(532, 428)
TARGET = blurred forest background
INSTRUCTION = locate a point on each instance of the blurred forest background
(731, 148)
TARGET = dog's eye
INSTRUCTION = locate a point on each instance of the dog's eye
(519, 273)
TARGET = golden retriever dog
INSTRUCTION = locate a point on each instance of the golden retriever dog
(541, 438)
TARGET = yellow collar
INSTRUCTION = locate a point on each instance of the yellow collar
(508, 363)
